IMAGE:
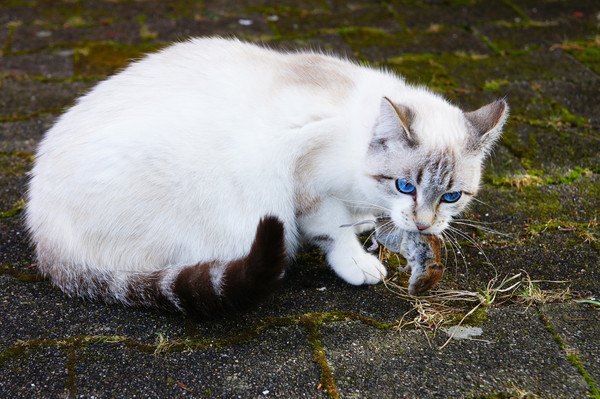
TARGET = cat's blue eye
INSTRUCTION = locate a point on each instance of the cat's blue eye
(452, 197)
(405, 187)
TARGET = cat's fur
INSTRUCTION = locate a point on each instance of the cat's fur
(150, 189)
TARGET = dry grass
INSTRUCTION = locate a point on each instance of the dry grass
(444, 308)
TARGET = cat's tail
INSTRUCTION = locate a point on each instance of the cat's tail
(213, 288)
(202, 290)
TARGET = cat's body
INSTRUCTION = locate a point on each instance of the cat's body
(174, 161)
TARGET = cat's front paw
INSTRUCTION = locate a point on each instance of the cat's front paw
(357, 268)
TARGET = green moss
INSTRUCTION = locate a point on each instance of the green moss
(71, 376)
(427, 69)
(312, 327)
(477, 317)
(495, 84)
(587, 232)
(587, 52)
(11, 28)
(536, 177)
(76, 21)
(7, 269)
(589, 56)
(14, 211)
(30, 115)
(488, 42)
(105, 58)
(145, 33)
(572, 356)
(518, 10)
(542, 207)
(524, 151)
(574, 174)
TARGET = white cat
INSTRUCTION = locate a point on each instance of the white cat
(150, 189)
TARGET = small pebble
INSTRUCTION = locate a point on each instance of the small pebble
(245, 22)
(44, 33)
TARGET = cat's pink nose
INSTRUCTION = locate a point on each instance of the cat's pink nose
(422, 226)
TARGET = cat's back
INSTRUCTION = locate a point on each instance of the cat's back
(203, 82)
(226, 69)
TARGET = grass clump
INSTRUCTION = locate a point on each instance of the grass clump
(444, 308)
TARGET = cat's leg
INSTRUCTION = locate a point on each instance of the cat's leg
(344, 253)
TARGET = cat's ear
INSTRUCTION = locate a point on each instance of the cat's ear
(486, 125)
(394, 123)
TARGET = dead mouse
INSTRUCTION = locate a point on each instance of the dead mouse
(422, 251)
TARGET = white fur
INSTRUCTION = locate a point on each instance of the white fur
(174, 160)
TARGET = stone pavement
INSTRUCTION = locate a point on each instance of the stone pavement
(318, 337)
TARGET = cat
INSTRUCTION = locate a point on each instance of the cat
(189, 179)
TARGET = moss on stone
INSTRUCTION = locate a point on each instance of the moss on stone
(572, 356)
(30, 115)
(20, 275)
(494, 84)
(586, 51)
(312, 326)
(105, 58)
(14, 211)
(535, 177)
(71, 376)
(428, 69)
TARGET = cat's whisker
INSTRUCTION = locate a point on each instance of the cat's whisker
(482, 228)
(454, 242)
(478, 221)
(362, 204)
(382, 227)
(471, 240)
(480, 201)
(455, 250)
(441, 236)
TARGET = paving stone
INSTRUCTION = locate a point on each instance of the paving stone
(18, 99)
(13, 169)
(423, 14)
(14, 243)
(514, 351)
(23, 136)
(470, 72)
(377, 46)
(34, 310)
(30, 38)
(526, 38)
(56, 64)
(579, 99)
(333, 43)
(547, 148)
(577, 325)
(277, 364)
(300, 22)
(229, 8)
(581, 12)
(35, 375)
(246, 26)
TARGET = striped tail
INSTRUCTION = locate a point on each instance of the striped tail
(210, 289)
(213, 288)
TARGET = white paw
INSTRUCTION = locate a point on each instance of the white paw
(357, 268)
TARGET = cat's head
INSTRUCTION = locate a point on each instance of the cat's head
(425, 157)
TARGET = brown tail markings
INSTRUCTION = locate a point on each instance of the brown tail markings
(245, 280)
